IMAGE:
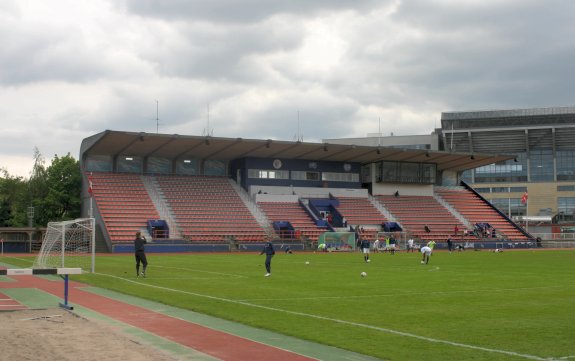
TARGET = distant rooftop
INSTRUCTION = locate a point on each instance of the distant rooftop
(482, 114)
(557, 117)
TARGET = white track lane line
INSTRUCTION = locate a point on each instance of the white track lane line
(376, 328)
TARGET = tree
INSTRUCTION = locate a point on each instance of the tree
(54, 192)
(63, 182)
(12, 194)
(37, 189)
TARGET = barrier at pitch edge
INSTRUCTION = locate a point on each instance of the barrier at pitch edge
(41, 271)
(59, 271)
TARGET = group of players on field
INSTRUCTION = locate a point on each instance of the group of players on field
(269, 251)
(390, 245)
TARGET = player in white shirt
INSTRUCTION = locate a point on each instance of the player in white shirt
(410, 245)
(425, 252)
(376, 246)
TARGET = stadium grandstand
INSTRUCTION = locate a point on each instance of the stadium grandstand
(205, 193)
(535, 188)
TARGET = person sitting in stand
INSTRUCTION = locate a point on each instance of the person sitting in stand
(396, 194)
(427, 229)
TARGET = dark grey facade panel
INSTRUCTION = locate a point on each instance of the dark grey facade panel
(565, 139)
(540, 138)
(508, 118)
(483, 114)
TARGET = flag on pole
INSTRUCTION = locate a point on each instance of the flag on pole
(524, 198)
(90, 185)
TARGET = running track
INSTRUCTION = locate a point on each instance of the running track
(215, 343)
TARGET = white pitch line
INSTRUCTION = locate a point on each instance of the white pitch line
(202, 271)
(400, 294)
(20, 259)
(317, 317)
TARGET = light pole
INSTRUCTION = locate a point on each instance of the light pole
(30, 214)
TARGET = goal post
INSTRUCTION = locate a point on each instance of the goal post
(69, 244)
(337, 241)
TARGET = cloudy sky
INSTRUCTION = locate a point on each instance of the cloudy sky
(73, 68)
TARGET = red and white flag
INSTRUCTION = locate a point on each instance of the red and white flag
(90, 185)
(524, 198)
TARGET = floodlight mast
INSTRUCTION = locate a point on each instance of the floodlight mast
(207, 132)
(157, 117)
(299, 135)
(379, 134)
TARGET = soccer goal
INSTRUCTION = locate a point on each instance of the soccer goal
(68, 244)
(337, 241)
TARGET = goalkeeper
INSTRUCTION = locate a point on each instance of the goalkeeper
(140, 254)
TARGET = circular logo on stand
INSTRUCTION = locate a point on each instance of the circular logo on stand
(277, 163)
(312, 165)
(347, 167)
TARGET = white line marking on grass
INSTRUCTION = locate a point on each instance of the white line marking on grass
(335, 320)
(21, 259)
(191, 278)
(403, 294)
(202, 271)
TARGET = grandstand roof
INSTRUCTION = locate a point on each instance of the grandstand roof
(175, 146)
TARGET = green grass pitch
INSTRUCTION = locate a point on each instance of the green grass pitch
(514, 305)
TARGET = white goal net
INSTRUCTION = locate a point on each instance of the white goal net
(68, 244)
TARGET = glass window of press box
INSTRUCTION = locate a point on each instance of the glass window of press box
(404, 172)
(268, 174)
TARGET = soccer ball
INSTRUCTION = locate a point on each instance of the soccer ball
(363, 274)
(306, 262)
(368, 260)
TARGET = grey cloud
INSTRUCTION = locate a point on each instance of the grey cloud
(405, 61)
(45, 55)
(223, 53)
(231, 11)
(502, 54)
(318, 118)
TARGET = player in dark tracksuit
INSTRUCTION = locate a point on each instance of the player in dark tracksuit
(364, 245)
(140, 254)
(269, 251)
